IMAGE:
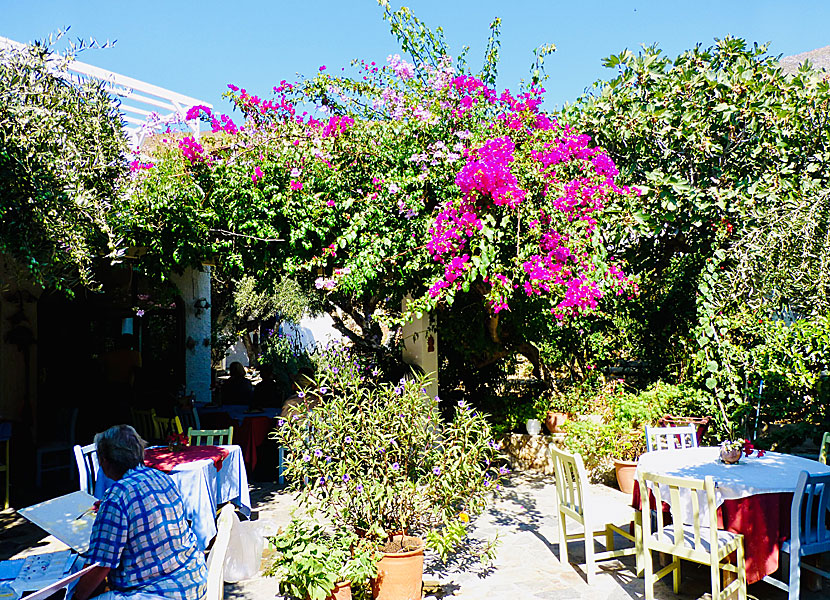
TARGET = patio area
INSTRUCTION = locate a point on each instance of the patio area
(527, 563)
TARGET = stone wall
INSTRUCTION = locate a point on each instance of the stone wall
(531, 452)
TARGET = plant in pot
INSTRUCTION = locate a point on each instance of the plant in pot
(630, 444)
(379, 460)
(316, 564)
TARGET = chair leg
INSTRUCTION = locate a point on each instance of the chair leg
(676, 574)
(590, 562)
(741, 564)
(609, 538)
(648, 574)
(563, 540)
(795, 576)
(638, 543)
(715, 575)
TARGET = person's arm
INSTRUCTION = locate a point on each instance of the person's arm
(89, 582)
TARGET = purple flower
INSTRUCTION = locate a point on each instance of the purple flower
(375, 372)
(324, 390)
(436, 470)
(359, 488)
(395, 466)
(346, 477)
(280, 422)
(398, 390)
(504, 471)
(139, 313)
(318, 453)
(322, 481)
(301, 394)
(306, 458)
(335, 370)
(348, 439)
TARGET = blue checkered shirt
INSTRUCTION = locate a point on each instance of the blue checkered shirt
(140, 533)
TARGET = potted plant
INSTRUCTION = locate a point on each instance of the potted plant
(630, 444)
(379, 460)
(316, 564)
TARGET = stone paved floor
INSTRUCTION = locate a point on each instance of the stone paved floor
(527, 563)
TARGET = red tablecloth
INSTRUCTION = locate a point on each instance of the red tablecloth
(252, 433)
(763, 520)
(167, 460)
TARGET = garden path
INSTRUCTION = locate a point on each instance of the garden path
(527, 564)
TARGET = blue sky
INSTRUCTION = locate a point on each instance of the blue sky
(197, 48)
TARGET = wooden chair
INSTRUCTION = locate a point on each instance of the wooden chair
(189, 418)
(61, 448)
(810, 534)
(210, 437)
(86, 457)
(670, 438)
(164, 426)
(572, 501)
(144, 423)
(688, 538)
(216, 558)
(825, 448)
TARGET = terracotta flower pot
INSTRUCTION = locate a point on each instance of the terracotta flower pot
(731, 457)
(342, 591)
(554, 421)
(400, 573)
(625, 474)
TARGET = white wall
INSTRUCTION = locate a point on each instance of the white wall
(421, 348)
(195, 285)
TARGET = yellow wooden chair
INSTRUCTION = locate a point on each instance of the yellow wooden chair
(144, 423)
(210, 437)
(164, 426)
(825, 448)
(574, 503)
(686, 537)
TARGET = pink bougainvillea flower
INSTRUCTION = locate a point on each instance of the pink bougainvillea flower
(296, 185)
(257, 174)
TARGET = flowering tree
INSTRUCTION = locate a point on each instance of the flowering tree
(406, 179)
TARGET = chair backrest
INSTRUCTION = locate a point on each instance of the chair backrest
(164, 426)
(216, 558)
(188, 417)
(144, 422)
(86, 457)
(670, 438)
(569, 471)
(809, 515)
(825, 448)
(210, 437)
(682, 493)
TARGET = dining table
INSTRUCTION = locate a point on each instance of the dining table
(206, 476)
(753, 497)
(251, 426)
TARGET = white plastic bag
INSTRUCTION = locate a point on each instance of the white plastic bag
(244, 550)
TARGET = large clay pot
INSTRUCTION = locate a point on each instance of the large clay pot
(625, 474)
(400, 573)
(554, 421)
(342, 591)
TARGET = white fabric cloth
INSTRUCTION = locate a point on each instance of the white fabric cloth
(203, 488)
(769, 474)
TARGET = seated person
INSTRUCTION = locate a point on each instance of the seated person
(304, 394)
(267, 392)
(238, 389)
(140, 539)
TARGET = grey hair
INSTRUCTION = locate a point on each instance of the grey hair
(121, 446)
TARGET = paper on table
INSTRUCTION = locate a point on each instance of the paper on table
(59, 517)
(9, 569)
(69, 582)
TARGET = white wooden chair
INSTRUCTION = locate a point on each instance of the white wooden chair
(809, 532)
(573, 502)
(86, 457)
(670, 438)
(687, 538)
(210, 437)
(216, 558)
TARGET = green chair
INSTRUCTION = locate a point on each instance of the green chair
(574, 503)
(210, 437)
(686, 537)
(825, 448)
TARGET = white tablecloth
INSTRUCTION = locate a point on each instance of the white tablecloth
(768, 474)
(203, 488)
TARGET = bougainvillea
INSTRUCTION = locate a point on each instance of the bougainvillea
(413, 180)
